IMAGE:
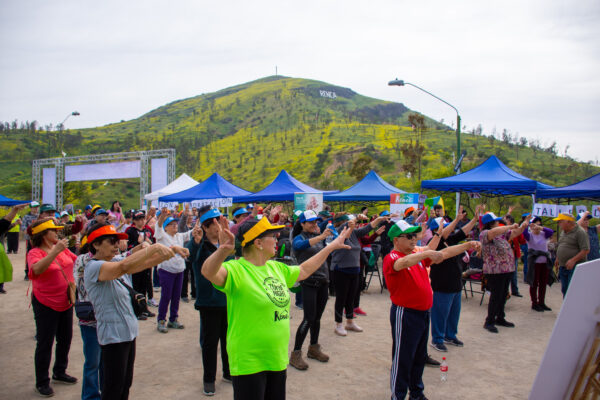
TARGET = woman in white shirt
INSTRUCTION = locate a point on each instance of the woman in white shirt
(170, 272)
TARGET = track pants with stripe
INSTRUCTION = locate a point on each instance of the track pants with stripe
(410, 332)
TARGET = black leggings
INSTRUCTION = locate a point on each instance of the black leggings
(117, 360)
(265, 385)
(345, 290)
(315, 300)
(142, 283)
(498, 285)
(214, 330)
(51, 325)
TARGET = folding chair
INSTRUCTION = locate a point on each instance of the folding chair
(372, 268)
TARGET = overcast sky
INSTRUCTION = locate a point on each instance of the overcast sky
(531, 67)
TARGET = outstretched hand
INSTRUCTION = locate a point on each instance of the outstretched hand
(338, 243)
(226, 237)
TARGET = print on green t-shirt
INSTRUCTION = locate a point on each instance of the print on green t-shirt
(258, 309)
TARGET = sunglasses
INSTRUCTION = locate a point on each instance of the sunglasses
(409, 236)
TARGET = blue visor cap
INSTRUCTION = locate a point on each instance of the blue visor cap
(214, 213)
(435, 223)
(489, 217)
(240, 212)
(168, 221)
(384, 213)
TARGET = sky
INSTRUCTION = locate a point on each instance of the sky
(531, 67)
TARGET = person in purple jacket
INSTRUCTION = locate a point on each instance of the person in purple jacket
(540, 263)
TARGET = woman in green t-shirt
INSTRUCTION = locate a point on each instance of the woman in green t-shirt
(258, 304)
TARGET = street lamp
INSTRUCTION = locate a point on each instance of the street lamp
(74, 113)
(399, 82)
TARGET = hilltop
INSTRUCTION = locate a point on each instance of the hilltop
(249, 132)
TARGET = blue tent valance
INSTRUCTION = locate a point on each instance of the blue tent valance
(282, 188)
(214, 187)
(491, 177)
(7, 202)
(586, 189)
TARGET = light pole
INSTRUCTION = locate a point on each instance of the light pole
(399, 82)
(74, 113)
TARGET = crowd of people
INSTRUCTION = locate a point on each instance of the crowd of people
(105, 266)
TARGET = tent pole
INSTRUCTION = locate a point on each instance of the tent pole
(457, 202)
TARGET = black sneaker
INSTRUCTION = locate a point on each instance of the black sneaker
(537, 307)
(491, 327)
(517, 294)
(149, 314)
(454, 342)
(545, 307)
(439, 347)
(64, 378)
(209, 389)
(142, 317)
(431, 362)
(45, 391)
(505, 323)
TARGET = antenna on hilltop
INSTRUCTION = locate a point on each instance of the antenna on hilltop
(276, 70)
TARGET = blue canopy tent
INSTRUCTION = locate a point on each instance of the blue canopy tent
(282, 188)
(370, 188)
(214, 187)
(5, 201)
(586, 189)
(492, 177)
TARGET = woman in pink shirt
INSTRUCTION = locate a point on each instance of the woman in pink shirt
(50, 271)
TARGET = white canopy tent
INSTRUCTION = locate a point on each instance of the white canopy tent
(182, 183)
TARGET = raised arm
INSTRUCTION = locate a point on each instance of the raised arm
(500, 230)
(412, 259)
(452, 251)
(43, 264)
(212, 269)
(516, 232)
(312, 264)
(137, 262)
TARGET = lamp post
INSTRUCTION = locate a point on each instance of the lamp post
(74, 113)
(399, 82)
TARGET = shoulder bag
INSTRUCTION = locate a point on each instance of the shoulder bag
(138, 300)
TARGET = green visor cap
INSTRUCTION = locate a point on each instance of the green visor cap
(402, 227)
(342, 218)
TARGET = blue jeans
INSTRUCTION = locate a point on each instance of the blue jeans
(565, 276)
(92, 366)
(445, 314)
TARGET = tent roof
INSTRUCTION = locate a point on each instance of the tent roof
(587, 188)
(492, 177)
(282, 188)
(369, 188)
(183, 182)
(5, 201)
(214, 187)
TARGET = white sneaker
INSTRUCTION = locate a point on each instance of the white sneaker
(353, 327)
(339, 330)
(152, 303)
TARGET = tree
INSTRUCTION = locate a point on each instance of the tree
(360, 167)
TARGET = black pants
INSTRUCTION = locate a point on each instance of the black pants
(50, 325)
(265, 385)
(142, 283)
(28, 247)
(410, 331)
(214, 329)
(315, 300)
(188, 276)
(12, 242)
(497, 284)
(117, 361)
(345, 290)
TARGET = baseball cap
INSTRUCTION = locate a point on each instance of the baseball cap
(34, 204)
(564, 217)
(168, 221)
(250, 205)
(88, 207)
(580, 215)
(47, 207)
(489, 217)
(139, 214)
(435, 223)
(307, 216)
(214, 213)
(402, 227)
(384, 213)
(62, 214)
(325, 214)
(241, 211)
(101, 211)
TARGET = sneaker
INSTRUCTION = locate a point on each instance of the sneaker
(2, 291)
(149, 314)
(431, 362)
(45, 391)
(491, 327)
(175, 325)
(339, 330)
(439, 347)
(227, 379)
(454, 342)
(142, 317)
(185, 299)
(537, 307)
(152, 303)
(64, 378)
(359, 311)
(297, 361)
(162, 326)
(209, 389)
(517, 294)
(505, 323)
(545, 307)
(353, 327)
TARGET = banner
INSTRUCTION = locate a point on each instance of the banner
(596, 211)
(564, 209)
(580, 209)
(103, 171)
(49, 186)
(544, 210)
(308, 201)
(159, 173)
(399, 202)
(215, 203)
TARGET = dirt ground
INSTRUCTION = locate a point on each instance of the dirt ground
(169, 366)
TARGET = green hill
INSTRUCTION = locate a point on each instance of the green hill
(248, 133)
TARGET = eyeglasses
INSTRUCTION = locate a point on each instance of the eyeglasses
(409, 236)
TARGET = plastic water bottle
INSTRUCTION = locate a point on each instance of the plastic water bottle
(444, 370)
(334, 232)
